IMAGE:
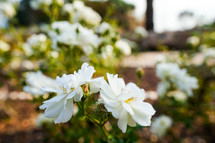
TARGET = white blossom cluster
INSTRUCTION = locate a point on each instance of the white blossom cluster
(7, 11)
(79, 12)
(40, 4)
(74, 35)
(4, 46)
(125, 102)
(193, 40)
(174, 78)
(208, 52)
(160, 125)
(35, 42)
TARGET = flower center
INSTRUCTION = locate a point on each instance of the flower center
(130, 99)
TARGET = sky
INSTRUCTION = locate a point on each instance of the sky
(166, 13)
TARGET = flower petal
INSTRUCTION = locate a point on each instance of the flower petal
(117, 84)
(66, 113)
(123, 121)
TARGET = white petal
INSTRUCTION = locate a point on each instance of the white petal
(85, 73)
(107, 91)
(144, 107)
(49, 90)
(123, 121)
(54, 109)
(66, 113)
(55, 99)
(110, 101)
(79, 94)
(116, 111)
(117, 84)
(135, 91)
(131, 121)
(95, 84)
(128, 108)
(143, 113)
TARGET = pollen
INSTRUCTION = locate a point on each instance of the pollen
(130, 99)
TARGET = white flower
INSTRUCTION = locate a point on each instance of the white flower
(178, 95)
(123, 46)
(141, 31)
(3, 20)
(36, 81)
(41, 119)
(84, 13)
(60, 2)
(74, 34)
(208, 52)
(70, 89)
(37, 4)
(160, 126)
(193, 40)
(125, 102)
(107, 51)
(103, 27)
(37, 40)
(8, 9)
(177, 78)
(163, 88)
(4, 46)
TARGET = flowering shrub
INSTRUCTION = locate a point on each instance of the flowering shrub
(124, 102)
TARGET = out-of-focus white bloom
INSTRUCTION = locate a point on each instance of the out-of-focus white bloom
(37, 40)
(125, 102)
(141, 31)
(68, 8)
(107, 51)
(74, 34)
(70, 89)
(163, 88)
(37, 4)
(15, 63)
(45, 27)
(160, 126)
(4, 46)
(208, 52)
(41, 119)
(123, 46)
(36, 81)
(29, 65)
(84, 13)
(54, 54)
(103, 27)
(178, 95)
(8, 9)
(193, 40)
(3, 20)
(27, 49)
(178, 78)
(60, 2)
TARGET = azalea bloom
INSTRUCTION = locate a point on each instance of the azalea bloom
(70, 89)
(125, 102)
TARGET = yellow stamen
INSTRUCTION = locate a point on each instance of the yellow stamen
(130, 99)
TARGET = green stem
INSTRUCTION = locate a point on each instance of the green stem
(104, 131)
(138, 82)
